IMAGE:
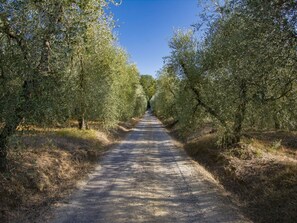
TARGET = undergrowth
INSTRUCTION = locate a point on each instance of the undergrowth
(261, 174)
(76, 133)
(44, 166)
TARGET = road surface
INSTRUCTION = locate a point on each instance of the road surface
(146, 178)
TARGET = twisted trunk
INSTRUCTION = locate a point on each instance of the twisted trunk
(200, 101)
(11, 126)
(82, 123)
(239, 115)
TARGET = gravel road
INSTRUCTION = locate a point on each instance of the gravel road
(147, 178)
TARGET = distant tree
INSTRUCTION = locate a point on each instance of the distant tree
(149, 85)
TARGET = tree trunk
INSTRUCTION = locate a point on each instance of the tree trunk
(276, 122)
(3, 153)
(45, 55)
(12, 124)
(9, 130)
(200, 102)
(82, 124)
(240, 113)
(148, 106)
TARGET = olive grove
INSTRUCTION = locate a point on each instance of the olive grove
(242, 75)
(59, 60)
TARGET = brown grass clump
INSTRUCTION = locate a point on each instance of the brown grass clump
(280, 142)
(262, 174)
(45, 166)
(123, 128)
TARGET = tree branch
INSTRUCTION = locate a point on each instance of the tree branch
(207, 108)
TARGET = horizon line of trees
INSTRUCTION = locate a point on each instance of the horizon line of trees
(242, 75)
(59, 60)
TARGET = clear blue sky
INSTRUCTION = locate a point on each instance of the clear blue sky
(146, 26)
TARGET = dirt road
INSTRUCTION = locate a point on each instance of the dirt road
(146, 178)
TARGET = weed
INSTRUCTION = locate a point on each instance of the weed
(276, 145)
(76, 133)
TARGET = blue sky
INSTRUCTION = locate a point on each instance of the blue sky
(146, 26)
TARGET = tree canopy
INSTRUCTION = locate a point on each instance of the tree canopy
(242, 75)
(59, 60)
(149, 85)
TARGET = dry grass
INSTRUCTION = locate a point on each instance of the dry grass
(277, 142)
(42, 167)
(262, 174)
(45, 165)
(123, 128)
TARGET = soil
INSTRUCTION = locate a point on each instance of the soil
(147, 178)
(47, 165)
